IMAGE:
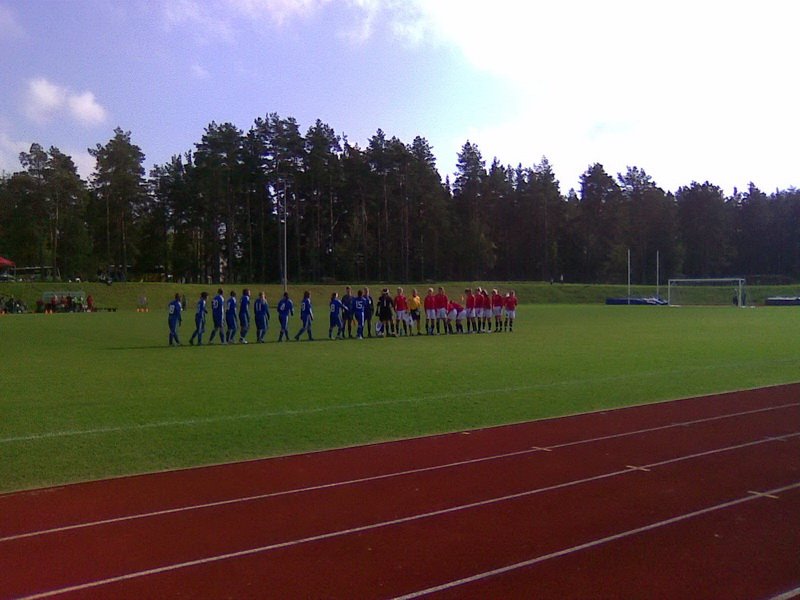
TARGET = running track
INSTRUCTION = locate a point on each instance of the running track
(694, 498)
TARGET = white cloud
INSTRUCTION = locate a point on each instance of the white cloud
(45, 101)
(85, 109)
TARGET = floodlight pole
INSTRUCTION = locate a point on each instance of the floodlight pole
(285, 225)
(629, 276)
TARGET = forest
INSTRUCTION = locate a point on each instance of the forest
(230, 208)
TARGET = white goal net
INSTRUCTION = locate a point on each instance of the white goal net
(707, 292)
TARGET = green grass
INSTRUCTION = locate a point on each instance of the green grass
(95, 395)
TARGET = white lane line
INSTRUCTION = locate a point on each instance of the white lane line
(385, 476)
(592, 544)
(682, 424)
(383, 524)
(795, 593)
(763, 495)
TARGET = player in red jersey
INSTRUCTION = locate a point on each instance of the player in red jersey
(497, 310)
(511, 309)
(430, 311)
(451, 315)
(487, 311)
(478, 310)
(469, 301)
(456, 313)
(441, 310)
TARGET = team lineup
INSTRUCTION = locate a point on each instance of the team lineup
(351, 316)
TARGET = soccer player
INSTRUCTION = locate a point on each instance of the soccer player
(385, 305)
(461, 315)
(452, 313)
(359, 311)
(478, 310)
(306, 317)
(401, 311)
(244, 315)
(285, 310)
(217, 313)
(511, 309)
(456, 312)
(347, 315)
(442, 302)
(199, 320)
(369, 312)
(414, 306)
(230, 317)
(487, 311)
(497, 310)
(469, 302)
(430, 311)
(336, 307)
(174, 320)
(261, 315)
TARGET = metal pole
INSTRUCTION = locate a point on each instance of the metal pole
(285, 224)
(629, 275)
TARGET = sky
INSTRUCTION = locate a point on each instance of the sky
(688, 90)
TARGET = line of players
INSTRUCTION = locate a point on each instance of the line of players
(474, 312)
(477, 312)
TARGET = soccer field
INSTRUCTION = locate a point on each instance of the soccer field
(96, 395)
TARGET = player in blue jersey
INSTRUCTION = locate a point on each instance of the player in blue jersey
(174, 320)
(217, 313)
(306, 317)
(336, 307)
(359, 313)
(244, 315)
(261, 316)
(285, 310)
(230, 317)
(199, 320)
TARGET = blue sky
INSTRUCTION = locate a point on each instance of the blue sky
(688, 90)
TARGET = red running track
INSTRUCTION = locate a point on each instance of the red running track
(694, 498)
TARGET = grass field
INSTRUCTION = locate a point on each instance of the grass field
(95, 395)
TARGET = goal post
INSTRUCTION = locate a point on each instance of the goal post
(721, 291)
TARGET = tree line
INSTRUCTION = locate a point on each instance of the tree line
(232, 207)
